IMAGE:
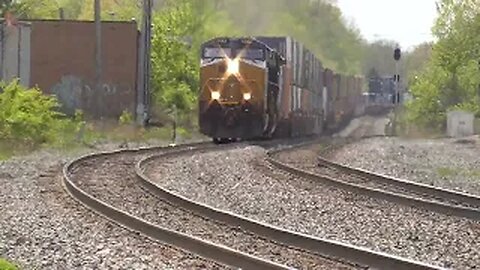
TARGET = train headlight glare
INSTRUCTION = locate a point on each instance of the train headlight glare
(215, 95)
(232, 66)
(247, 96)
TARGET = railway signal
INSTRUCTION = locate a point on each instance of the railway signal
(397, 54)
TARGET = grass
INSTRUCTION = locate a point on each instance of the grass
(14, 148)
(5, 265)
(446, 172)
(474, 173)
(449, 172)
(97, 132)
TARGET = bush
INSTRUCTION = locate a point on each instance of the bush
(126, 118)
(30, 117)
(5, 265)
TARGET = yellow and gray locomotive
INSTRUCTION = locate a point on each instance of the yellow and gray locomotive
(239, 80)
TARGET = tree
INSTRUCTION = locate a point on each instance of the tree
(450, 80)
(45, 9)
(13, 6)
(379, 56)
(174, 63)
(115, 10)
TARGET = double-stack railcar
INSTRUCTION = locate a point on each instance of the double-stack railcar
(301, 108)
(266, 87)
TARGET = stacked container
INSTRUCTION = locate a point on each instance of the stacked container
(300, 98)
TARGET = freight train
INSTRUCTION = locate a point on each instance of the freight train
(271, 87)
(380, 95)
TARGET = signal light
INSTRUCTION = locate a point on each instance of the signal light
(397, 54)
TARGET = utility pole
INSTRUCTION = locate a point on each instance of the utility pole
(98, 58)
(143, 94)
(174, 125)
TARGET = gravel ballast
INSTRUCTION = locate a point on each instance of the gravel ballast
(42, 227)
(112, 179)
(241, 181)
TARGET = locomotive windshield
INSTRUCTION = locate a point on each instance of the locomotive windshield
(252, 54)
(217, 52)
(246, 53)
(234, 48)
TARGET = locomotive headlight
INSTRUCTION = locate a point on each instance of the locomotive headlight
(215, 95)
(247, 96)
(232, 66)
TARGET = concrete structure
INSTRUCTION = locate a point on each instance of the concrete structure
(460, 124)
(58, 56)
(477, 126)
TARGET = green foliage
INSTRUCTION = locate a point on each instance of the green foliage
(13, 6)
(378, 56)
(27, 115)
(126, 118)
(175, 64)
(416, 60)
(114, 10)
(5, 265)
(426, 108)
(451, 78)
(34, 9)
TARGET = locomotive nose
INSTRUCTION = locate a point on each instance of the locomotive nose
(230, 117)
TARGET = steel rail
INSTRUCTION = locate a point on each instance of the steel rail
(206, 249)
(442, 193)
(329, 248)
(439, 207)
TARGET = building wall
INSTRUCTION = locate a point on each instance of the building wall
(63, 63)
(15, 52)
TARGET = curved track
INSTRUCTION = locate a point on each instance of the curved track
(257, 252)
(203, 248)
(379, 186)
(332, 249)
(459, 201)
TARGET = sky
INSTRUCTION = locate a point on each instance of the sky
(408, 22)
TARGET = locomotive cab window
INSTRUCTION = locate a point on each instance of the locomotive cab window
(252, 54)
(216, 52)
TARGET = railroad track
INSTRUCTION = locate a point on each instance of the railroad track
(83, 179)
(337, 251)
(388, 188)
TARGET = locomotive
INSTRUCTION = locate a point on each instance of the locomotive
(239, 80)
(266, 87)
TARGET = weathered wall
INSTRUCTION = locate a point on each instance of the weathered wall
(63, 63)
(15, 52)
